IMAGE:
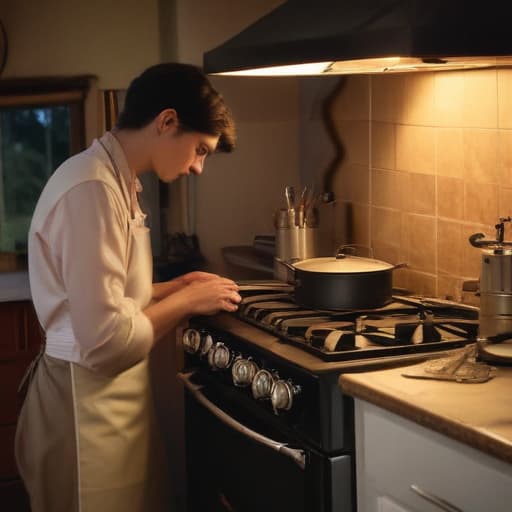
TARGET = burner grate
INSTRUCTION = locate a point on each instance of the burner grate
(407, 325)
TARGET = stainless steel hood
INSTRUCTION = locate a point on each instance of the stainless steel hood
(314, 37)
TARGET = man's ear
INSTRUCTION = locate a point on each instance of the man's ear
(166, 120)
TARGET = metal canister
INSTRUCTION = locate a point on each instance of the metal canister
(495, 316)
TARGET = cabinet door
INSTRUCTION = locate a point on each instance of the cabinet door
(409, 466)
(20, 340)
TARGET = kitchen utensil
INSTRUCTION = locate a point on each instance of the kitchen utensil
(342, 282)
(495, 317)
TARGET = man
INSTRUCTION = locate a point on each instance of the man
(87, 438)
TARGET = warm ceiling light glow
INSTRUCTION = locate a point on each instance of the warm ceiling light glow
(378, 65)
(313, 68)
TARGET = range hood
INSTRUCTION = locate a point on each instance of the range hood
(323, 37)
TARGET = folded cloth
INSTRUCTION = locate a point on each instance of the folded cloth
(460, 366)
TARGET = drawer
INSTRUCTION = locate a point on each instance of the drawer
(393, 454)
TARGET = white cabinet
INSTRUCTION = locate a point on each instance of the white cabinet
(404, 467)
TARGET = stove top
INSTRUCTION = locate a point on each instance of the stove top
(409, 324)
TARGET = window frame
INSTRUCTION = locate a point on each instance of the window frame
(34, 92)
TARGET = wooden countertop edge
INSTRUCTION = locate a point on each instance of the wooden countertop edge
(466, 434)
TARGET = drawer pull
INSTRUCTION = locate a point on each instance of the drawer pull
(439, 502)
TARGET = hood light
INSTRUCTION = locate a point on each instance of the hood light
(378, 65)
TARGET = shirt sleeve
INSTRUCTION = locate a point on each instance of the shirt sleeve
(88, 241)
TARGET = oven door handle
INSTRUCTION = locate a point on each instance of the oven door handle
(298, 456)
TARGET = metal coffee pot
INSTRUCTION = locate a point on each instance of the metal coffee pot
(495, 317)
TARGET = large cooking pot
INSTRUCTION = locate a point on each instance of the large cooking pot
(342, 282)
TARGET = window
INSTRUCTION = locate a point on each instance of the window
(41, 125)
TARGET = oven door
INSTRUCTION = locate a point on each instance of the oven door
(238, 462)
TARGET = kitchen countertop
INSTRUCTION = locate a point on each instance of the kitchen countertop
(479, 415)
(14, 286)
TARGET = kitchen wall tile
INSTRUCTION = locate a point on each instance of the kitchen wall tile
(440, 171)
(354, 137)
(421, 194)
(480, 203)
(449, 247)
(504, 163)
(450, 197)
(419, 89)
(450, 152)
(421, 242)
(480, 98)
(383, 145)
(449, 98)
(505, 204)
(360, 219)
(353, 101)
(352, 183)
(389, 188)
(387, 98)
(422, 283)
(449, 287)
(386, 227)
(384, 252)
(351, 225)
(415, 149)
(505, 98)
(400, 278)
(480, 156)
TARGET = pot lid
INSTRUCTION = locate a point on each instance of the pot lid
(346, 265)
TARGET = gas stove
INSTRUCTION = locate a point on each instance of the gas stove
(265, 381)
(407, 325)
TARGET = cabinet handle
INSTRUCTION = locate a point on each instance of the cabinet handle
(439, 502)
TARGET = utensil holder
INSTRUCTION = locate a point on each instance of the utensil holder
(292, 244)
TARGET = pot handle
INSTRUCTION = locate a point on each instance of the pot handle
(400, 265)
(293, 280)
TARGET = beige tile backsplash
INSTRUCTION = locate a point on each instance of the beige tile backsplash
(429, 164)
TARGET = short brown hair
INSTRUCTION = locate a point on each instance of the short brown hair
(186, 89)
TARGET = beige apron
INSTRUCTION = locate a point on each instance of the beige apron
(90, 443)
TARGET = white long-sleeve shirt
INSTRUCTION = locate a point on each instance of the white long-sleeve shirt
(90, 262)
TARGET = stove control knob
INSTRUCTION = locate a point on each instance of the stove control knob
(219, 356)
(282, 395)
(243, 371)
(191, 340)
(262, 384)
(206, 344)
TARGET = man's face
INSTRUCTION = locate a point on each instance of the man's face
(180, 153)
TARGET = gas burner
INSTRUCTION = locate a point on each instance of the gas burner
(407, 324)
